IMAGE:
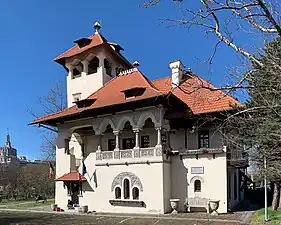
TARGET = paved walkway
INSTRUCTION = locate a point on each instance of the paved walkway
(239, 218)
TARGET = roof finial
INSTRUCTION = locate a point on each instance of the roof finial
(97, 27)
(136, 64)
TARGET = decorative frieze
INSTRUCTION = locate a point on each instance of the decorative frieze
(125, 72)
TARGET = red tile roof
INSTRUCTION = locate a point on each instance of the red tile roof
(199, 100)
(198, 94)
(112, 94)
(96, 40)
(72, 176)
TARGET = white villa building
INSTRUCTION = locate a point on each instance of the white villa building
(143, 142)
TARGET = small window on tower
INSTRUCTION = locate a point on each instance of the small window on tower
(107, 67)
(76, 97)
(93, 65)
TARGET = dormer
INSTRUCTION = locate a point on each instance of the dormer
(90, 64)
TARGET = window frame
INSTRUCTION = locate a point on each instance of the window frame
(119, 193)
(197, 186)
(145, 143)
(111, 144)
(203, 135)
(126, 189)
(132, 142)
(138, 193)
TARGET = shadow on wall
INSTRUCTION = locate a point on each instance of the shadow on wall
(179, 182)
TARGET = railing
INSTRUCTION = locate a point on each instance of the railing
(129, 154)
(238, 157)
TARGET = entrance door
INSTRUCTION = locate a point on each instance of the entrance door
(75, 192)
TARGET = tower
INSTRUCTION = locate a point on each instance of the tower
(91, 63)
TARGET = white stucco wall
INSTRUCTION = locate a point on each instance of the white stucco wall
(87, 84)
(97, 191)
(161, 181)
(214, 185)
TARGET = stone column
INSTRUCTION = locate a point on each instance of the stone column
(116, 154)
(116, 133)
(137, 132)
(158, 137)
(66, 145)
(70, 70)
(85, 67)
(98, 152)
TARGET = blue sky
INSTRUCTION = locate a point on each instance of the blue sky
(34, 32)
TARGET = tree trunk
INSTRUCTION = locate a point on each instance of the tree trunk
(276, 194)
(279, 195)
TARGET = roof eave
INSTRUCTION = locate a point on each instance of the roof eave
(165, 99)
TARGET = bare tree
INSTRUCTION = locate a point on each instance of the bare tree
(53, 102)
(257, 124)
(218, 18)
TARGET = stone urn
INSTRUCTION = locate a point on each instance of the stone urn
(54, 207)
(214, 205)
(84, 209)
(174, 205)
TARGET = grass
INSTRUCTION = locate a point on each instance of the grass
(26, 204)
(274, 217)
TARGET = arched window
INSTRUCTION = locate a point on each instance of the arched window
(76, 73)
(136, 193)
(197, 186)
(117, 193)
(93, 65)
(107, 67)
(126, 188)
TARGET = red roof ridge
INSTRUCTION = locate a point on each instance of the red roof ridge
(76, 45)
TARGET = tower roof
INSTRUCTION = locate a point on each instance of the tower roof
(94, 41)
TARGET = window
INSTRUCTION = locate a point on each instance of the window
(126, 188)
(163, 139)
(76, 73)
(107, 67)
(136, 193)
(111, 144)
(76, 97)
(93, 65)
(145, 142)
(117, 193)
(197, 186)
(203, 139)
(128, 143)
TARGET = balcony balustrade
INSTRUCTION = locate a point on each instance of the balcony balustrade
(129, 153)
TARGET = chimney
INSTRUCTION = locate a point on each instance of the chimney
(177, 72)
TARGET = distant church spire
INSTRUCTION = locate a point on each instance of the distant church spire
(8, 140)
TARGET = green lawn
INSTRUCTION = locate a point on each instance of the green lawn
(274, 217)
(25, 204)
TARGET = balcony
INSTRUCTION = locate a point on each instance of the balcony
(130, 156)
(238, 158)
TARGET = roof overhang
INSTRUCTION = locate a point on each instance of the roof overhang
(72, 176)
(167, 100)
